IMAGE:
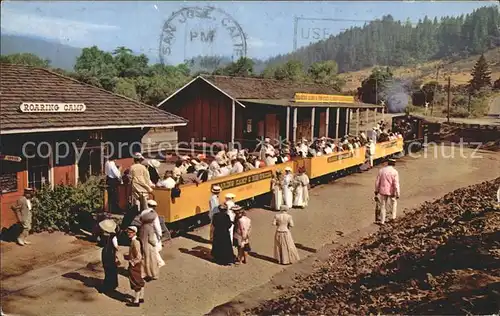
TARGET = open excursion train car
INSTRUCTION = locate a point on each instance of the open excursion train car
(193, 203)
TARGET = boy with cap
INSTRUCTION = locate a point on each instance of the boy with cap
(134, 258)
(22, 210)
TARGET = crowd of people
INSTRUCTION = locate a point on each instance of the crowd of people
(230, 227)
(144, 258)
(197, 168)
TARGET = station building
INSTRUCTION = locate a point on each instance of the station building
(57, 130)
(239, 109)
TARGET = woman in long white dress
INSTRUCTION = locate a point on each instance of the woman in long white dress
(288, 187)
(302, 189)
(230, 203)
(276, 187)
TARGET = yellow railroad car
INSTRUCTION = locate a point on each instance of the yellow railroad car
(194, 198)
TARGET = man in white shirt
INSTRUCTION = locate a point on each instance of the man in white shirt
(113, 179)
(237, 167)
(168, 182)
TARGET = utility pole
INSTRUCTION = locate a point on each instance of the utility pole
(435, 88)
(449, 99)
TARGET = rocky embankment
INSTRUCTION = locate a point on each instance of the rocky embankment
(442, 258)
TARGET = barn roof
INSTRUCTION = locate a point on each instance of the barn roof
(103, 109)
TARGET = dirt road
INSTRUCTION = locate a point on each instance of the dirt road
(191, 285)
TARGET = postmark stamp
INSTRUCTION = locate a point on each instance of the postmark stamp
(203, 27)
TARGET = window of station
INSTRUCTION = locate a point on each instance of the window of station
(38, 172)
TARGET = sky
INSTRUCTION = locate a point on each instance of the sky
(267, 27)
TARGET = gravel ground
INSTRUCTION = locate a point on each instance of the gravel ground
(192, 285)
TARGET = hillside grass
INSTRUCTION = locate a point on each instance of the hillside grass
(459, 71)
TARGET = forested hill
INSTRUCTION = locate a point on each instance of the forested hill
(396, 43)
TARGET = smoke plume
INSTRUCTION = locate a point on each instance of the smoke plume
(397, 95)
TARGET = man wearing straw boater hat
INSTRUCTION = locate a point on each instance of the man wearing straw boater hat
(23, 211)
(387, 190)
(140, 181)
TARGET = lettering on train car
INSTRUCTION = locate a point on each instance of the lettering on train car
(245, 180)
(340, 157)
(391, 144)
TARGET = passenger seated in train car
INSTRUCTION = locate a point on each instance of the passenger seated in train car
(311, 151)
(202, 175)
(249, 163)
(383, 137)
(190, 177)
(168, 181)
(303, 148)
(236, 166)
(356, 143)
(268, 154)
(225, 170)
(153, 166)
(177, 172)
(329, 147)
(214, 167)
(362, 138)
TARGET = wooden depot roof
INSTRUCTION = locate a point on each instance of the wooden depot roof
(256, 88)
(104, 109)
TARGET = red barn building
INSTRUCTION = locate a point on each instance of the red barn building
(61, 128)
(242, 110)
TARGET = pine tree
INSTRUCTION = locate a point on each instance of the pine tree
(481, 75)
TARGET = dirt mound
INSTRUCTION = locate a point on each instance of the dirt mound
(443, 258)
(489, 136)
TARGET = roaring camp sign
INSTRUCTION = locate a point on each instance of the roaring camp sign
(29, 107)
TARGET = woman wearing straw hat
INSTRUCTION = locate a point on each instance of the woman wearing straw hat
(302, 189)
(276, 186)
(284, 248)
(147, 236)
(287, 187)
(214, 206)
(242, 230)
(108, 256)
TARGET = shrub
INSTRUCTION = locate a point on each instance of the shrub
(61, 208)
(457, 112)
